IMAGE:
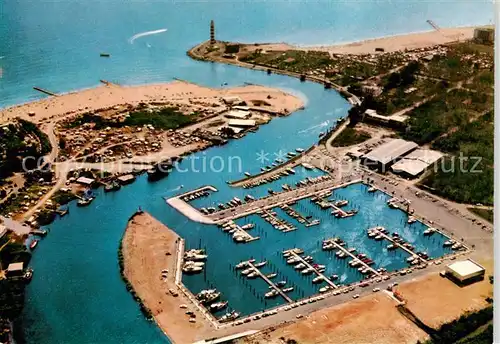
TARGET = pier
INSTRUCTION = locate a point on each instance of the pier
(298, 216)
(44, 91)
(274, 220)
(38, 232)
(292, 162)
(277, 200)
(239, 234)
(271, 283)
(108, 83)
(186, 209)
(326, 279)
(391, 240)
(354, 257)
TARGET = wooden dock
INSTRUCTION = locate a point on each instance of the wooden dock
(271, 283)
(391, 240)
(292, 162)
(288, 227)
(44, 91)
(326, 279)
(356, 258)
(234, 228)
(277, 200)
(290, 211)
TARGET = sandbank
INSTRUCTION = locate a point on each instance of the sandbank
(178, 92)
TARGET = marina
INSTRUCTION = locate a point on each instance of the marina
(195, 215)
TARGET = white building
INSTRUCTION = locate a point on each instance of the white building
(85, 181)
(238, 114)
(465, 271)
(245, 123)
(383, 156)
(415, 163)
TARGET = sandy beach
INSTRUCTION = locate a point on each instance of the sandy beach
(389, 44)
(178, 92)
(148, 247)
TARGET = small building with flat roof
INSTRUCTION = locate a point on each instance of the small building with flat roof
(244, 123)
(85, 181)
(126, 179)
(385, 155)
(238, 114)
(465, 271)
(15, 269)
(392, 121)
(233, 100)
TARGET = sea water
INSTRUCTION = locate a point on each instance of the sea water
(77, 295)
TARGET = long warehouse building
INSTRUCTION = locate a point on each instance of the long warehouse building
(385, 155)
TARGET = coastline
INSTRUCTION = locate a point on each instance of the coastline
(390, 43)
(108, 96)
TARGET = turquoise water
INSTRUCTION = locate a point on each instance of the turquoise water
(77, 295)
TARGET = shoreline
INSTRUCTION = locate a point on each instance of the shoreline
(108, 96)
(196, 55)
(390, 43)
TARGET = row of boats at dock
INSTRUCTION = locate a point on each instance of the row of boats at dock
(233, 202)
(359, 260)
(279, 224)
(238, 233)
(194, 261)
(209, 297)
(306, 265)
(250, 269)
(286, 172)
(195, 195)
(306, 220)
(321, 201)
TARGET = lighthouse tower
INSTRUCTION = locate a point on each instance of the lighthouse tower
(212, 32)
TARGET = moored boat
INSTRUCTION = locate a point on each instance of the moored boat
(229, 317)
(217, 306)
(33, 244)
